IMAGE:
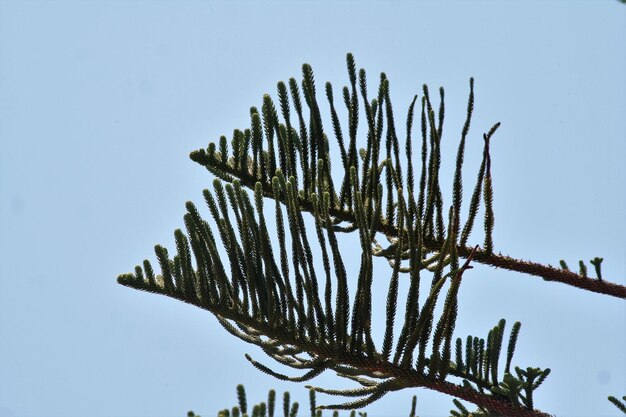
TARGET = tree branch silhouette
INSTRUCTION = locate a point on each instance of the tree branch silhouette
(266, 287)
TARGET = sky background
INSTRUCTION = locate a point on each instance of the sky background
(101, 103)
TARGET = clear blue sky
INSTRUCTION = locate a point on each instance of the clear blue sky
(101, 103)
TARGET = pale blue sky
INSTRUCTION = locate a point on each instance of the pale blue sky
(101, 103)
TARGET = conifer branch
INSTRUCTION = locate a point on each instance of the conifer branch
(546, 272)
(271, 298)
(261, 303)
(336, 359)
(343, 218)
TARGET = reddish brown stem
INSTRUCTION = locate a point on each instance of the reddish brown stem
(499, 261)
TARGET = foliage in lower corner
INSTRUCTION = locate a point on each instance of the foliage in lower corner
(619, 404)
(268, 409)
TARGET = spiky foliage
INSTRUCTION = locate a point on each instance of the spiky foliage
(288, 411)
(619, 404)
(265, 287)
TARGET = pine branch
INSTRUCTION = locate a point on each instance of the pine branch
(260, 301)
(546, 272)
(388, 370)
(404, 378)
(270, 298)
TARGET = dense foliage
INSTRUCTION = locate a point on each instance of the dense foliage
(263, 283)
